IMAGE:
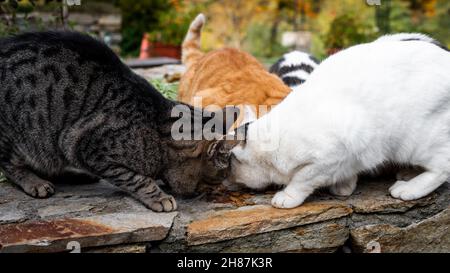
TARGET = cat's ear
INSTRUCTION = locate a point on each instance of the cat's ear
(221, 149)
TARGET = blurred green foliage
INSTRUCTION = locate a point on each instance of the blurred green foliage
(174, 22)
(14, 16)
(169, 90)
(139, 17)
(256, 26)
(346, 30)
(353, 22)
(258, 42)
(165, 21)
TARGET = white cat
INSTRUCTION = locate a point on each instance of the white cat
(385, 101)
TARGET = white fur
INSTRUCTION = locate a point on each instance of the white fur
(249, 114)
(405, 36)
(301, 74)
(297, 57)
(294, 58)
(362, 107)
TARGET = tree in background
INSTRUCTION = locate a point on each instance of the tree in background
(139, 17)
(340, 25)
(173, 24)
(165, 21)
(427, 16)
(368, 22)
(346, 31)
(257, 25)
(383, 16)
(300, 14)
(416, 11)
(442, 26)
(229, 19)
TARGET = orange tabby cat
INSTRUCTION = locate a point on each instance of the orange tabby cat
(226, 77)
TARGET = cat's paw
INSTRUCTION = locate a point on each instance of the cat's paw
(284, 200)
(39, 189)
(401, 190)
(345, 188)
(164, 203)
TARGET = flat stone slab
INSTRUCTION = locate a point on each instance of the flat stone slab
(10, 213)
(429, 235)
(92, 215)
(241, 222)
(171, 73)
(375, 198)
(110, 229)
(325, 236)
(151, 62)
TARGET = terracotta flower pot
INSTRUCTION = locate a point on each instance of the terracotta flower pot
(156, 49)
(164, 50)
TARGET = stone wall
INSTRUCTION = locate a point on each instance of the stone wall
(102, 218)
(245, 222)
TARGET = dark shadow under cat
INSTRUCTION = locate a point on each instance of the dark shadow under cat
(68, 104)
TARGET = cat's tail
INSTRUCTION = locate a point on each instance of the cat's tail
(191, 44)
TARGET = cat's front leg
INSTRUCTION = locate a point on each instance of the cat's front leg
(28, 181)
(156, 199)
(302, 185)
(289, 198)
(418, 187)
(143, 188)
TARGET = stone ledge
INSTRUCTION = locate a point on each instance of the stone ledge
(325, 236)
(108, 229)
(94, 215)
(231, 224)
(430, 235)
(104, 219)
(242, 221)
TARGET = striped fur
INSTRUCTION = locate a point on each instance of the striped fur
(69, 106)
(294, 67)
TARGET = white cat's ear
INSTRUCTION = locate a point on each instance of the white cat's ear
(249, 114)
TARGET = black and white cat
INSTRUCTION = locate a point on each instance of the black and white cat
(294, 68)
(371, 104)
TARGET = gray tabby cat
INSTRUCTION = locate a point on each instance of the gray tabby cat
(69, 106)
